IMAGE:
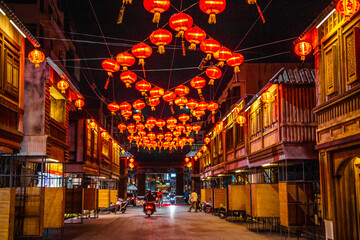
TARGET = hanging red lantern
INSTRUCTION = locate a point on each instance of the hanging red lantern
(188, 129)
(202, 106)
(196, 128)
(139, 105)
(131, 127)
(180, 22)
(128, 77)
(209, 46)
(182, 90)
(110, 66)
(131, 165)
(156, 7)
(160, 38)
(157, 92)
(191, 141)
(151, 120)
(194, 35)
(213, 107)
(138, 117)
(160, 123)
(184, 118)
(153, 102)
(143, 86)
(222, 55)
(125, 106)
(189, 165)
(113, 107)
(177, 133)
(213, 73)
(126, 114)
(140, 127)
(142, 132)
(169, 97)
(180, 101)
(192, 104)
(125, 59)
(122, 127)
(130, 138)
(36, 56)
(180, 127)
(235, 61)
(207, 140)
(171, 121)
(198, 83)
(303, 49)
(198, 113)
(267, 97)
(92, 125)
(212, 8)
(168, 135)
(62, 85)
(79, 104)
(347, 8)
(237, 111)
(149, 126)
(241, 120)
(151, 136)
(187, 159)
(160, 136)
(142, 51)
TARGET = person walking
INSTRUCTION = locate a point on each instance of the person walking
(160, 197)
(193, 201)
(186, 196)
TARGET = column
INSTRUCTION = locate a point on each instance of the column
(122, 192)
(180, 182)
(141, 183)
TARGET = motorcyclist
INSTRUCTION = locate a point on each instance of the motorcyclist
(149, 198)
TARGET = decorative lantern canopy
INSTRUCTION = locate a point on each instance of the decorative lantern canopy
(198, 83)
(180, 22)
(139, 105)
(63, 85)
(194, 35)
(207, 140)
(36, 56)
(110, 66)
(196, 128)
(209, 46)
(142, 51)
(140, 127)
(181, 101)
(202, 106)
(191, 141)
(212, 8)
(125, 59)
(169, 97)
(156, 7)
(113, 107)
(192, 104)
(213, 73)
(160, 123)
(92, 125)
(189, 164)
(157, 92)
(213, 107)
(122, 127)
(182, 90)
(222, 55)
(143, 86)
(125, 106)
(235, 61)
(241, 120)
(198, 113)
(126, 114)
(79, 104)
(267, 97)
(153, 102)
(128, 77)
(160, 38)
(137, 117)
(184, 118)
(348, 8)
(303, 49)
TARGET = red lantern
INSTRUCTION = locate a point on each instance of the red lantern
(131, 165)
(113, 107)
(192, 104)
(213, 106)
(142, 51)
(36, 56)
(202, 106)
(303, 49)
(182, 90)
(149, 126)
(110, 66)
(128, 77)
(140, 127)
(153, 102)
(126, 114)
(122, 127)
(171, 121)
(235, 61)
(125, 59)
(198, 113)
(212, 8)
(196, 128)
(213, 73)
(139, 105)
(198, 83)
(141, 132)
(169, 97)
(160, 38)
(180, 127)
(137, 117)
(151, 120)
(143, 86)
(160, 136)
(130, 138)
(188, 128)
(157, 7)
(191, 141)
(177, 133)
(180, 101)
(267, 97)
(160, 123)
(168, 135)
(125, 106)
(79, 104)
(241, 120)
(131, 127)
(207, 140)
(209, 46)
(347, 8)
(187, 159)
(151, 136)
(222, 55)
(180, 22)
(194, 35)
(157, 92)
(189, 164)
(63, 85)
(184, 118)
(92, 125)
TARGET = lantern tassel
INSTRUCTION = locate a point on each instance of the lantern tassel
(37, 65)
(125, 68)
(220, 64)
(212, 19)
(192, 46)
(127, 1)
(183, 47)
(260, 13)
(201, 95)
(156, 18)
(107, 83)
(211, 82)
(121, 15)
(180, 34)
(236, 69)
(302, 58)
(172, 109)
(153, 108)
(128, 85)
(208, 57)
(161, 49)
(213, 118)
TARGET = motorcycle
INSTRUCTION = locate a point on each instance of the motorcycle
(222, 212)
(121, 206)
(149, 208)
(199, 206)
(207, 207)
(172, 200)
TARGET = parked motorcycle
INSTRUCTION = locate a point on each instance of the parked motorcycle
(149, 208)
(207, 207)
(121, 205)
(222, 212)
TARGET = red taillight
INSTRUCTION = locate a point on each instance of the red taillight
(149, 207)
(132, 198)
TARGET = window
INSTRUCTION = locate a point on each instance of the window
(105, 147)
(239, 131)
(255, 123)
(57, 106)
(229, 139)
(89, 140)
(116, 155)
(12, 75)
(96, 143)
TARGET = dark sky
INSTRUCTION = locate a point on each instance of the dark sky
(284, 19)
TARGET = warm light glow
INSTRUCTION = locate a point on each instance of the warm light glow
(17, 28)
(36, 56)
(2, 12)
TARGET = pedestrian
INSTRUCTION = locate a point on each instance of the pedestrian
(160, 197)
(193, 201)
(186, 196)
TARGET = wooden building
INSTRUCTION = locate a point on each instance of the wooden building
(335, 42)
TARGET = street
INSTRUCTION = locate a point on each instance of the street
(172, 222)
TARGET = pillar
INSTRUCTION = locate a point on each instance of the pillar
(122, 191)
(140, 183)
(180, 182)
